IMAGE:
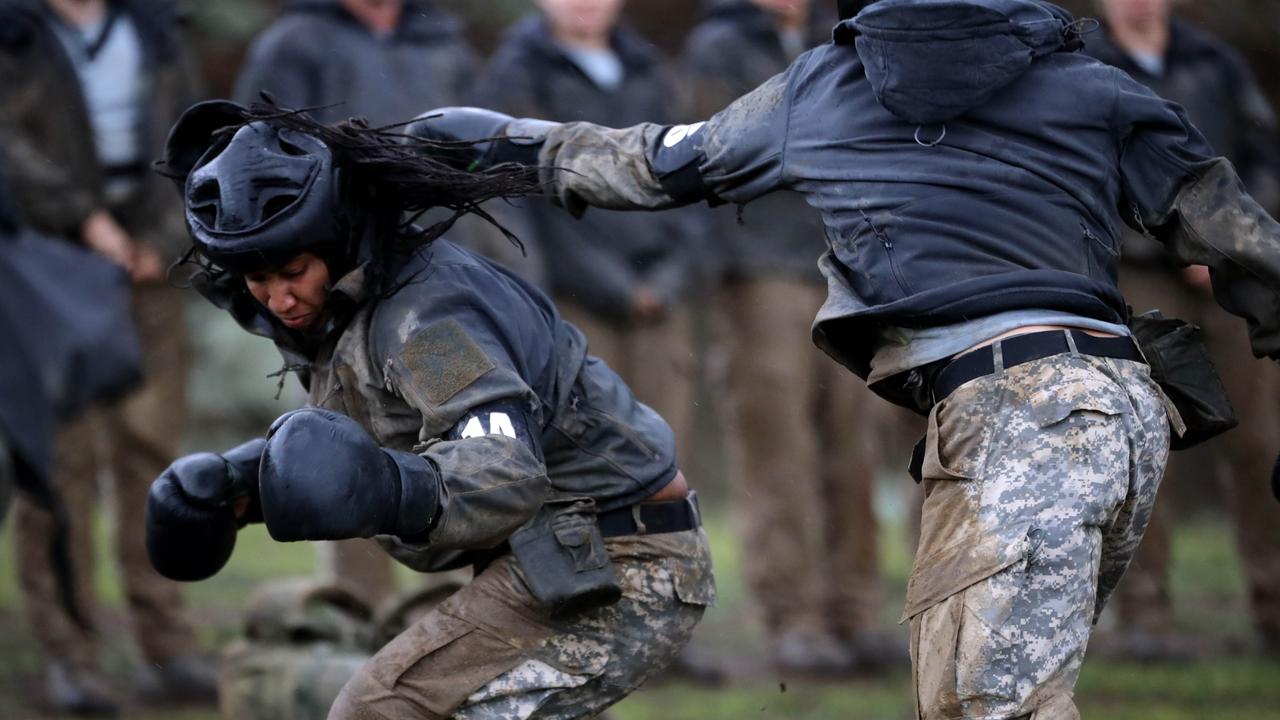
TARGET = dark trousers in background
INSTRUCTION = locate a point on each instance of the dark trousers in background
(1243, 458)
(132, 441)
(801, 451)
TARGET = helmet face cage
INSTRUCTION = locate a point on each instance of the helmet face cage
(257, 200)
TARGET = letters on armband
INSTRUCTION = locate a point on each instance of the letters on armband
(506, 418)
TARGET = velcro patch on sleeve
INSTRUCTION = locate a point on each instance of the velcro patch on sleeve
(441, 360)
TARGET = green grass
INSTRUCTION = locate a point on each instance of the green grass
(1206, 583)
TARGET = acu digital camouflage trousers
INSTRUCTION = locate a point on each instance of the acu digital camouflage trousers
(490, 652)
(1040, 481)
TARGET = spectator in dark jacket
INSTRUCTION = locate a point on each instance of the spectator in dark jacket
(630, 296)
(1213, 84)
(387, 61)
(815, 576)
(87, 93)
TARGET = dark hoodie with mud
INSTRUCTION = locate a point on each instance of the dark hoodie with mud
(966, 162)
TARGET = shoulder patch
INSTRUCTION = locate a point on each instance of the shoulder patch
(442, 359)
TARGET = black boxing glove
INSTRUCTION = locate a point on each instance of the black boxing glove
(191, 521)
(324, 478)
(508, 139)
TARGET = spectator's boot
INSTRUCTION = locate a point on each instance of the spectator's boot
(187, 679)
(77, 691)
(807, 654)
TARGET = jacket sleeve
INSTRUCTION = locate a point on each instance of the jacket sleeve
(587, 271)
(451, 362)
(736, 156)
(1177, 190)
(48, 193)
(1259, 160)
(591, 274)
(681, 270)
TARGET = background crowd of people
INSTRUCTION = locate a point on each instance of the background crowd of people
(700, 311)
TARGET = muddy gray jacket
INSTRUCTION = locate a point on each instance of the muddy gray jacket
(950, 195)
(531, 75)
(420, 355)
(1213, 84)
(317, 54)
(734, 49)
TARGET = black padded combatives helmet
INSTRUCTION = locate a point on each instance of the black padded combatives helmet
(257, 198)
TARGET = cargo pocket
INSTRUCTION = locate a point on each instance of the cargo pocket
(439, 662)
(963, 602)
(1067, 385)
(960, 429)
(694, 581)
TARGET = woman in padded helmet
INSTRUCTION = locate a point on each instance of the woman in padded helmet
(453, 416)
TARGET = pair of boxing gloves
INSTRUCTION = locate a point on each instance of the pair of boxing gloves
(316, 476)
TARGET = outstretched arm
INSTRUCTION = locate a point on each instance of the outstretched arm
(1177, 190)
(735, 156)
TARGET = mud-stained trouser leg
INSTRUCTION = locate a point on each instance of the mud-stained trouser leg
(1040, 481)
(490, 652)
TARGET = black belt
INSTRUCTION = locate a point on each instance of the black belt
(1021, 349)
(652, 518)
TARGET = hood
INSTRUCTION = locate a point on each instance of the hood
(929, 61)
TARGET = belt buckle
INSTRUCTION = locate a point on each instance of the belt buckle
(641, 528)
(695, 512)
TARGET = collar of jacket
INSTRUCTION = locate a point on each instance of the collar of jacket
(534, 33)
(1186, 43)
(420, 22)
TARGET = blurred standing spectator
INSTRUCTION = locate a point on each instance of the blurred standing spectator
(801, 431)
(88, 89)
(383, 60)
(1208, 78)
(572, 61)
(386, 61)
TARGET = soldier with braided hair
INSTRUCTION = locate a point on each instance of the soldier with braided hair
(454, 417)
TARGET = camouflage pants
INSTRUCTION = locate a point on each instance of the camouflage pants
(1040, 480)
(490, 653)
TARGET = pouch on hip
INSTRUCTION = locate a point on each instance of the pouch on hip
(1181, 366)
(562, 555)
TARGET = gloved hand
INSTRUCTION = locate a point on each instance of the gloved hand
(191, 520)
(324, 478)
(521, 139)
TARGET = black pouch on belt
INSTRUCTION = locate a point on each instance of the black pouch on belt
(561, 552)
(1180, 364)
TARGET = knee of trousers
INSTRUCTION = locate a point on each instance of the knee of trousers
(364, 698)
(983, 650)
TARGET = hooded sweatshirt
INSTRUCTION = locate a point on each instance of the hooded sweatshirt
(966, 163)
